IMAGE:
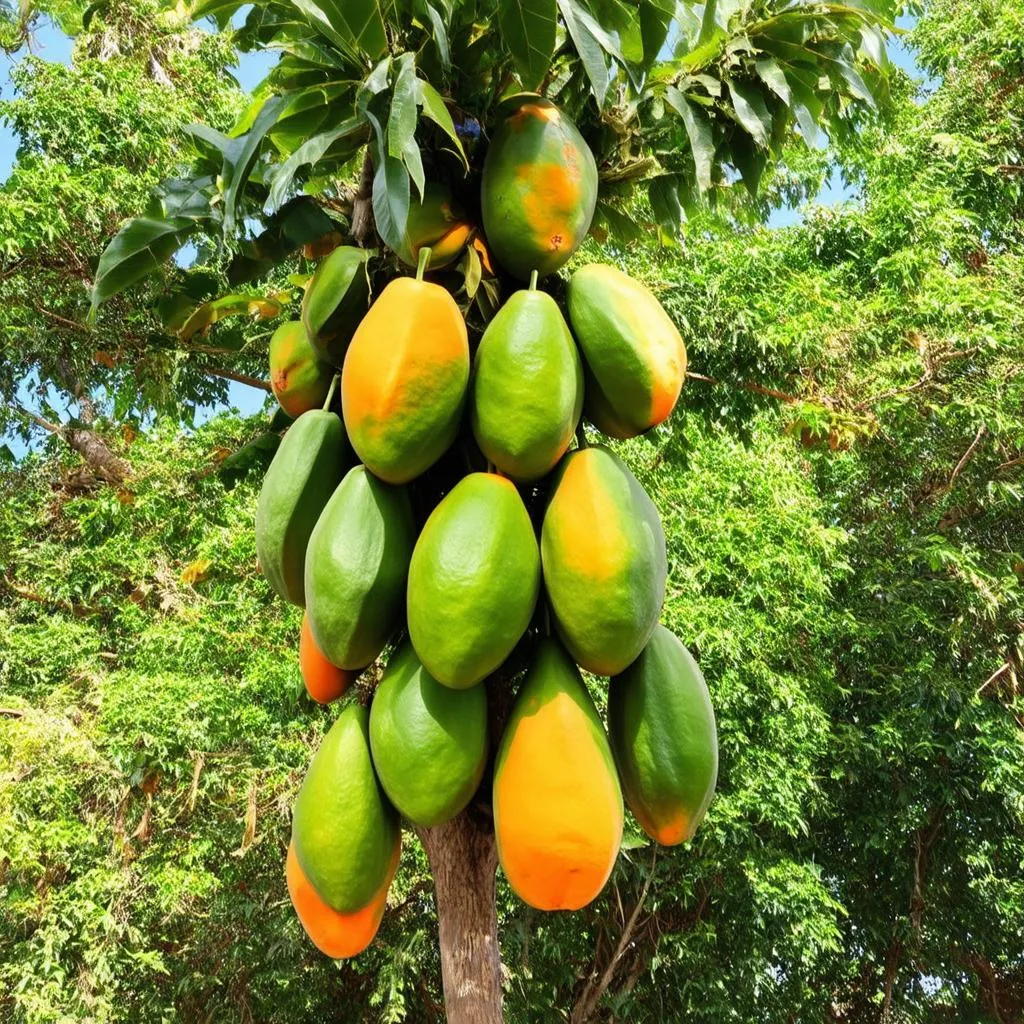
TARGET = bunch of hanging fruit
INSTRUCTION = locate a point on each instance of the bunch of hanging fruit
(549, 559)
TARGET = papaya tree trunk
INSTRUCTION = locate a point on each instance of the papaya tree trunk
(463, 859)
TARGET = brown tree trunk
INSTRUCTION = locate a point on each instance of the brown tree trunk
(463, 860)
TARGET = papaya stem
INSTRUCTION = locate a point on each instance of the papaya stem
(330, 391)
(581, 436)
(424, 259)
(533, 280)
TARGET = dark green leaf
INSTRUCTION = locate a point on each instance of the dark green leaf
(528, 31)
(771, 74)
(402, 118)
(358, 24)
(434, 107)
(257, 454)
(699, 131)
(668, 211)
(440, 36)
(308, 154)
(590, 50)
(391, 200)
(751, 111)
(237, 174)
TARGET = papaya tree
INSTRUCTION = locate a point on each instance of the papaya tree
(479, 143)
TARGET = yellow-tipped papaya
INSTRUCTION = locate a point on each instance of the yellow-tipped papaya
(557, 803)
(302, 477)
(344, 830)
(437, 222)
(603, 555)
(526, 393)
(539, 188)
(404, 380)
(662, 729)
(429, 742)
(335, 300)
(299, 378)
(324, 682)
(473, 580)
(357, 562)
(634, 356)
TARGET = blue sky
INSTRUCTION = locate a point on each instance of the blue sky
(51, 44)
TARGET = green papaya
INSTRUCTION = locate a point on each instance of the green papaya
(663, 735)
(634, 356)
(526, 394)
(429, 742)
(299, 378)
(436, 221)
(343, 827)
(336, 299)
(473, 580)
(302, 476)
(539, 188)
(557, 803)
(603, 554)
(356, 567)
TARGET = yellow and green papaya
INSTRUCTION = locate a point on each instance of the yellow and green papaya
(437, 222)
(357, 561)
(335, 301)
(634, 357)
(301, 479)
(526, 393)
(404, 380)
(539, 188)
(662, 729)
(603, 555)
(344, 830)
(473, 580)
(557, 803)
(299, 378)
(429, 742)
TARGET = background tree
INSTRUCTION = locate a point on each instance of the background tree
(851, 579)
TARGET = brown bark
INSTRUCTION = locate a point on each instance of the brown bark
(362, 205)
(463, 859)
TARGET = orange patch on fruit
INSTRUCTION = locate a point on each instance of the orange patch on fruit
(586, 520)
(534, 111)
(338, 935)
(324, 680)
(673, 830)
(557, 807)
(550, 194)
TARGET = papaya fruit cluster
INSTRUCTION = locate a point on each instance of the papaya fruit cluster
(447, 517)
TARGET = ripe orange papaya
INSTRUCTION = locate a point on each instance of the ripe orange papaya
(324, 682)
(603, 556)
(662, 729)
(299, 378)
(404, 380)
(526, 393)
(557, 803)
(634, 356)
(437, 222)
(473, 580)
(539, 188)
(357, 561)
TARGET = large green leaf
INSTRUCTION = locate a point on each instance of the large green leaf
(308, 154)
(434, 107)
(590, 50)
(699, 131)
(140, 247)
(358, 23)
(237, 174)
(391, 200)
(751, 111)
(402, 117)
(528, 31)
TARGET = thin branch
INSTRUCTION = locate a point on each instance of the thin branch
(73, 324)
(53, 428)
(240, 378)
(992, 678)
(11, 713)
(968, 455)
(758, 389)
(1019, 461)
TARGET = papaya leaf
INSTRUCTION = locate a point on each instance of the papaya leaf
(589, 49)
(413, 160)
(434, 107)
(528, 31)
(308, 154)
(356, 24)
(668, 210)
(220, 10)
(655, 18)
(391, 200)
(771, 74)
(699, 131)
(236, 174)
(402, 117)
(440, 34)
(140, 247)
(203, 318)
(751, 112)
(257, 454)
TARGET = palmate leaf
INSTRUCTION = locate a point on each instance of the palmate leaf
(528, 31)
(139, 248)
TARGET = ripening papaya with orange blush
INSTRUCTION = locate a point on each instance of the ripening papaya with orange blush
(336, 934)
(299, 378)
(403, 385)
(324, 681)
(557, 803)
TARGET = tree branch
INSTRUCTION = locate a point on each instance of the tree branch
(362, 205)
(758, 389)
(968, 455)
(240, 378)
